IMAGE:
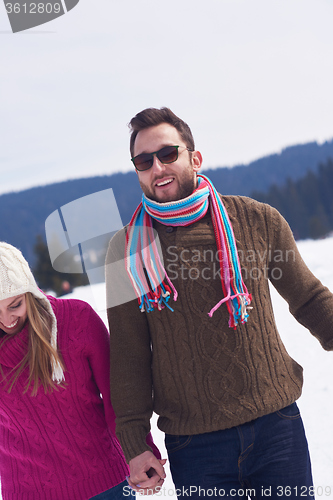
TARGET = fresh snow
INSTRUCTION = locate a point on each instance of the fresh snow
(316, 402)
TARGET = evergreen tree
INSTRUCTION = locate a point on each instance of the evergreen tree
(307, 203)
(50, 280)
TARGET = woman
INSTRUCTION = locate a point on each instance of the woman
(57, 436)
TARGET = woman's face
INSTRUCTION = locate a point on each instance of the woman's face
(13, 314)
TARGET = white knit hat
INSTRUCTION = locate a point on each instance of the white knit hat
(15, 279)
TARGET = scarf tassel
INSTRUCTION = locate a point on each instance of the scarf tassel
(156, 299)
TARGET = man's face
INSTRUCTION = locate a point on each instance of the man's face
(172, 181)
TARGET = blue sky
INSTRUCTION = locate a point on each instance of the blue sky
(250, 77)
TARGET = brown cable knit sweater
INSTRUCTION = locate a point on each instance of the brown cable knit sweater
(194, 371)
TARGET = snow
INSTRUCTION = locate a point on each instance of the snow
(316, 402)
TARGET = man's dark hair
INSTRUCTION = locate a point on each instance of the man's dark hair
(151, 117)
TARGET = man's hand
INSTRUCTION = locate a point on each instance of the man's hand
(146, 473)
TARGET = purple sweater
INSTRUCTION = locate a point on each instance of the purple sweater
(61, 445)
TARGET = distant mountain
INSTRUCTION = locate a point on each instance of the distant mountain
(293, 162)
(23, 213)
(306, 203)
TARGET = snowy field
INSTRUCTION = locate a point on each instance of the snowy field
(316, 402)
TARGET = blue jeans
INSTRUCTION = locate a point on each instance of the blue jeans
(115, 493)
(265, 458)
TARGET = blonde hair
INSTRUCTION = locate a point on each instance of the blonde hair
(40, 352)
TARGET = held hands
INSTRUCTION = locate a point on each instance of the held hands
(146, 473)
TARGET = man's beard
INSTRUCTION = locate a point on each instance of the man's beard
(187, 184)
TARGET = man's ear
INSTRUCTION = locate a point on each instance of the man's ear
(196, 161)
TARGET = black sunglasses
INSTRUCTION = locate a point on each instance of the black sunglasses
(168, 154)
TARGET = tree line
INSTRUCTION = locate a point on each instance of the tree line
(306, 203)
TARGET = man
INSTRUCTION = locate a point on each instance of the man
(197, 341)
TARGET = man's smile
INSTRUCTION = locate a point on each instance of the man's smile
(164, 182)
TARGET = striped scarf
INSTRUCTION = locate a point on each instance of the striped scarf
(141, 251)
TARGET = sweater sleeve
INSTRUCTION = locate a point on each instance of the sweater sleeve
(310, 302)
(99, 360)
(98, 353)
(131, 378)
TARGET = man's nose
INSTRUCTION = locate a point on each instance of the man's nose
(157, 166)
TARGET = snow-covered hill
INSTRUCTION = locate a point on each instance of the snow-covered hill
(316, 402)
